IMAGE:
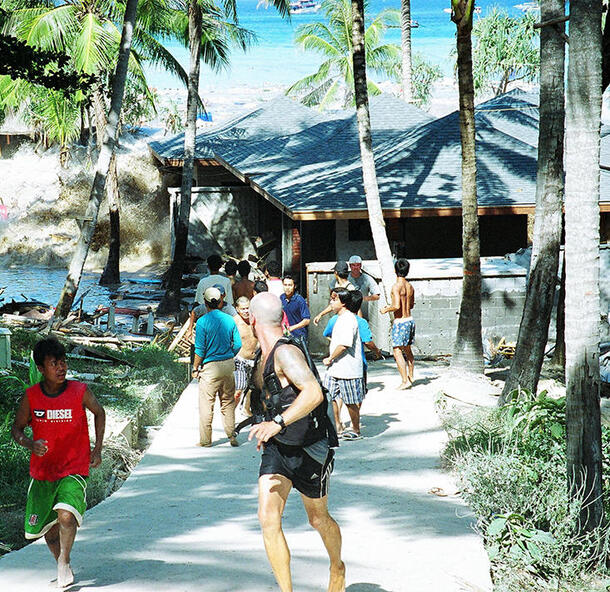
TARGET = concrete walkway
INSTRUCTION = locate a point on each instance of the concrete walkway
(186, 518)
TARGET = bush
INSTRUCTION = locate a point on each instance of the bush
(511, 465)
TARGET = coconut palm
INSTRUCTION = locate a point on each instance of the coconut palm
(583, 116)
(405, 42)
(369, 173)
(468, 350)
(541, 287)
(333, 41)
(171, 298)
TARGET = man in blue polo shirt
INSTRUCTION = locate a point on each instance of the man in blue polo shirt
(296, 310)
(217, 342)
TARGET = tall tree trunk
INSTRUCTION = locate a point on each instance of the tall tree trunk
(541, 288)
(369, 174)
(468, 350)
(583, 427)
(405, 29)
(559, 356)
(112, 270)
(103, 164)
(111, 274)
(171, 299)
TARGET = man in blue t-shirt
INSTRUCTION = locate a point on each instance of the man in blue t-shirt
(217, 342)
(296, 310)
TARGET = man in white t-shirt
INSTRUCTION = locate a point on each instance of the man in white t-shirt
(344, 374)
(214, 264)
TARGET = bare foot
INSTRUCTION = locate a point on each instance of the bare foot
(65, 577)
(337, 579)
(404, 386)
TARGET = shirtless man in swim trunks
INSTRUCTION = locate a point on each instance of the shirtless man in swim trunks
(244, 360)
(403, 327)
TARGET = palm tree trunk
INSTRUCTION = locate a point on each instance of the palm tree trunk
(541, 288)
(583, 427)
(171, 299)
(103, 164)
(112, 271)
(468, 351)
(369, 174)
(559, 355)
(405, 29)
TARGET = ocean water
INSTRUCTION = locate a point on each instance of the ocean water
(275, 60)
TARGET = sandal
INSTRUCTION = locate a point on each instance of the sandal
(350, 435)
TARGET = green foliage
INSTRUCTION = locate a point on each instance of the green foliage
(511, 464)
(505, 50)
(138, 106)
(333, 41)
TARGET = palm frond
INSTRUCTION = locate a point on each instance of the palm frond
(51, 29)
(95, 46)
(157, 54)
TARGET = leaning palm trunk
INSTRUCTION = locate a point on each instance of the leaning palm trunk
(405, 29)
(468, 351)
(103, 164)
(369, 175)
(541, 288)
(583, 116)
(171, 299)
(112, 271)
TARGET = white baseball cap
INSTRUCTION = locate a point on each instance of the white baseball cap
(355, 259)
(212, 295)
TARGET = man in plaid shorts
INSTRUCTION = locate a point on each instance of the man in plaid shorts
(345, 370)
(244, 360)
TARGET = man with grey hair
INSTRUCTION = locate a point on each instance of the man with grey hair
(244, 360)
(295, 443)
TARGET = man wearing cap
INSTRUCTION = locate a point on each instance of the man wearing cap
(217, 342)
(341, 271)
(214, 264)
(363, 282)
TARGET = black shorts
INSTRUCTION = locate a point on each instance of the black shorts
(308, 476)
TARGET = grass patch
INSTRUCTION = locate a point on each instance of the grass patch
(511, 466)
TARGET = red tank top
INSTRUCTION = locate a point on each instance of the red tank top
(62, 422)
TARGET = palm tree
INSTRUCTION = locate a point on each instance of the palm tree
(333, 41)
(103, 165)
(583, 116)
(468, 351)
(541, 288)
(405, 31)
(369, 173)
(214, 56)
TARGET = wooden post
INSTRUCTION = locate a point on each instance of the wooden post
(111, 313)
(5, 348)
(150, 323)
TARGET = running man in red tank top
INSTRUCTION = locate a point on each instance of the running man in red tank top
(61, 457)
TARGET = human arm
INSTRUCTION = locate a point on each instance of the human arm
(189, 330)
(318, 317)
(395, 304)
(304, 314)
(235, 340)
(337, 353)
(22, 418)
(290, 364)
(373, 289)
(299, 325)
(99, 422)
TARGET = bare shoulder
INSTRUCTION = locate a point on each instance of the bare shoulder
(291, 364)
(289, 354)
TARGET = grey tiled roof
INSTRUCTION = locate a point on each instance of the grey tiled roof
(310, 161)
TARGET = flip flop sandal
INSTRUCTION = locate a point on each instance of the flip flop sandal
(351, 436)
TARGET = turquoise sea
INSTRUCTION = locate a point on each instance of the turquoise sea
(276, 61)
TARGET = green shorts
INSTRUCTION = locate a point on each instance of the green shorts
(46, 497)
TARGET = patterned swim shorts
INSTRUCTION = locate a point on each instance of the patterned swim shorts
(243, 369)
(403, 332)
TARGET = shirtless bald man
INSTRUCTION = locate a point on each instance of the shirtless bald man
(295, 443)
(403, 328)
(244, 360)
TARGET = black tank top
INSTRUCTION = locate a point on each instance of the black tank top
(276, 399)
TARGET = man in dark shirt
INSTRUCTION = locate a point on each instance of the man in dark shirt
(296, 310)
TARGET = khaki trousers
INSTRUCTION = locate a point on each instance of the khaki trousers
(216, 378)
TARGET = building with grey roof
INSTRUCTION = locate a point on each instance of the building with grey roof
(291, 177)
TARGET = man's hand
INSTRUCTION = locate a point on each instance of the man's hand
(327, 361)
(39, 447)
(263, 432)
(96, 458)
(317, 319)
(237, 396)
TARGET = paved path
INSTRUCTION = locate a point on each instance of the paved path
(186, 518)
